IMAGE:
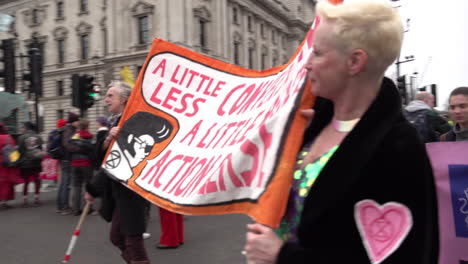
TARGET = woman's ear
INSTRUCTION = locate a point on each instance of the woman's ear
(357, 61)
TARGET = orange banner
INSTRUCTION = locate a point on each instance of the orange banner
(200, 136)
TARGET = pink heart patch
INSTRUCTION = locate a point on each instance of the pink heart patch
(382, 228)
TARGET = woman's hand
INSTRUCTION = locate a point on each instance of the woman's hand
(308, 114)
(88, 198)
(262, 244)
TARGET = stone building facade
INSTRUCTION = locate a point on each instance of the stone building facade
(100, 37)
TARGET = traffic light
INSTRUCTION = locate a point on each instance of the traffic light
(87, 88)
(34, 75)
(83, 92)
(9, 67)
(35, 58)
(76, 91)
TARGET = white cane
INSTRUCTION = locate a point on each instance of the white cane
(76, 233)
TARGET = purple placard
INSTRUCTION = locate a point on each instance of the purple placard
(449, 162)
(458, 175)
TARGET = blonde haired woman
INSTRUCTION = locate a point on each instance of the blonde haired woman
(363, 190)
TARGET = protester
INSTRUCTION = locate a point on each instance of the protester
(120, 205)
(50, 141)
(31, 154)
(458, 109)
(172, 229)
(373, 197)
(8, 175)
(81, 163)
(429, 123)
(63, 195)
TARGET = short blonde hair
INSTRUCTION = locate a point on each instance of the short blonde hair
(371, 25)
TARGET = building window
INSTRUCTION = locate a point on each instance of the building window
(35, 16)
(236, 53)
(202, 20)
(104, 41)
(143, 15)
(202, 33)
(262, 30)
(61, 50)
(60, 114)
(235, 18)
(274, 61)
(264, 57)
(60, 13)
(143, 30)
(273, 35)
(60, 36)
(59, 88)
(84, 44)
(83, 6)
(249, 23)
(251, 58)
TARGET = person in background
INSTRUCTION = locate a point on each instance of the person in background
(429, 123)
(8, 175)
(63, 195)
(60, 124)
(458, 109)
(172, 229)
(125, 209)
(30, 148)
(102, 131)
(81, 163)
(363, 189)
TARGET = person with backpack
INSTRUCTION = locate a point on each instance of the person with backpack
(8, 175)
(31, 154)
(458, 109)
(54, 150)
(54, 145)
(63, 195)
(82, 163)
(429, 124)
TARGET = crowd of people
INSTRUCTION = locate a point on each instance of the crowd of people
(79, 155)
(360, 147)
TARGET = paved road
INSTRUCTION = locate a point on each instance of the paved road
(38, 235)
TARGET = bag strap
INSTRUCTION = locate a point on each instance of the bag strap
(451, 136)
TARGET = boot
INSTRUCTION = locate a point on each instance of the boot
(140, 262)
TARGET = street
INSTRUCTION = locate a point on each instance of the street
(38, 235)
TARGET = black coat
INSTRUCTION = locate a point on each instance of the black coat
(381, 159)
(115, 196)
